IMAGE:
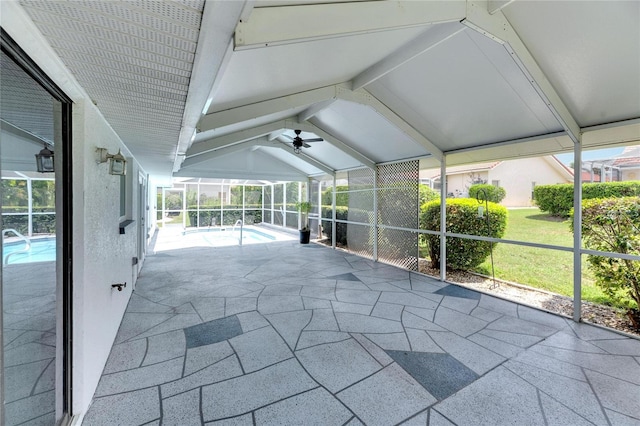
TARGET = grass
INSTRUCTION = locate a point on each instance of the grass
(546, 269)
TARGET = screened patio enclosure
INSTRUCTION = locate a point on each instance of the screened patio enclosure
(440, 83)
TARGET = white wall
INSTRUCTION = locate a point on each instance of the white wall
(517, 176)
(101, 255)
(631, 174)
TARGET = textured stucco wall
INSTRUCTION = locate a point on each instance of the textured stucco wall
(102, 256)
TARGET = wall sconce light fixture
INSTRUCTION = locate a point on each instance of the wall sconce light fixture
(117, 162)
(44, 160)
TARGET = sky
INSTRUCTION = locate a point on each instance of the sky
(598, 154)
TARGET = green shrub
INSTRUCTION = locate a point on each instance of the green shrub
(342, 213)
(342, 198)
(495, 194)
(462, 218)
(427, 194)
(613, 225)
(557, 199)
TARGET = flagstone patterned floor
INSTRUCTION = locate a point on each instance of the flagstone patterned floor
(286, 334)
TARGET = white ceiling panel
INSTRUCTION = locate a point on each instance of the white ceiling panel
(466, 91)
(325, 153)
(365, 130)
(258, 74)
(589, 50)
(251, 163)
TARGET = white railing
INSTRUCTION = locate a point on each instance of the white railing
(234, 228)
(27, 243)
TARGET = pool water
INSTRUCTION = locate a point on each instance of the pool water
(42, 250)
(216, 237)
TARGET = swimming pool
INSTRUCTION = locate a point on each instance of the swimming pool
(217, 237)
(42, 250)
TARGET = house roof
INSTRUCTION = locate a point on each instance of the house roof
(630, 157)
(216, 88)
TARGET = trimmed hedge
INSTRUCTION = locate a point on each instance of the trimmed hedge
(427, 194)
(42, 224)
(462, 218)
(342, 213)
(557, 199)
(495, 194)
(342, 199)
(613, 225)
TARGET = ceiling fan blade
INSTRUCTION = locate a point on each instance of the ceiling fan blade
(287, 136)
(306, 145)
(313, 140)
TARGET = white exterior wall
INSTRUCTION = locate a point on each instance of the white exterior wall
(631, 174)
(517, 176)
(101, 255)
(459, 184)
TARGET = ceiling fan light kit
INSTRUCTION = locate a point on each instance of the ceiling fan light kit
(299, 143)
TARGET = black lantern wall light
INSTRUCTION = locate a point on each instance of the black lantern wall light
(44, 160)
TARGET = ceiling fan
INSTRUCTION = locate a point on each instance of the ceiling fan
(298, 142)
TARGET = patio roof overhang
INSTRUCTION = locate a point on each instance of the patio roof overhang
(468, 80)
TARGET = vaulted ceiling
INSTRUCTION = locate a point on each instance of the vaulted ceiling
(216, 88)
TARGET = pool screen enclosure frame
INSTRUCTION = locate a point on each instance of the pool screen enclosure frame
(382, 219)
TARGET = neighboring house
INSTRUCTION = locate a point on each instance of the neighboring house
(517, 177)
(625, 166)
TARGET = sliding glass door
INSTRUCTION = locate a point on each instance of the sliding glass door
(36, 256)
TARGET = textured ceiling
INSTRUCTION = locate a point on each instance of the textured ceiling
(134, 59)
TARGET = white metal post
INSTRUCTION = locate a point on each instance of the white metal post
(273, 214)
(375, 214)
(443, 218)
(243, 195)
(333, 215)
(577, 231)
(29, 208)
(198, 204)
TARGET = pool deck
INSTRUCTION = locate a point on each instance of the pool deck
(283, 333)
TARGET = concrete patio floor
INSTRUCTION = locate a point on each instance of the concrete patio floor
(283, 333)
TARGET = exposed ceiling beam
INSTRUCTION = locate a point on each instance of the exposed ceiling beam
(306, 158)
(545, 136)
(498, 28)
(363, 97)
(218, 119)
(419, 45)
(216, 30)
(213, 144)
(269, 26)
(313, 128)
(228, 149)
(495, 5)
(314, 109)
(31, 137)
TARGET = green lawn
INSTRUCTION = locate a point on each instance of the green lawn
(542, 268)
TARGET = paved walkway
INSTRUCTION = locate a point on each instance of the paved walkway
(283, 333)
